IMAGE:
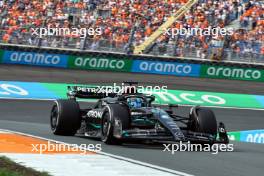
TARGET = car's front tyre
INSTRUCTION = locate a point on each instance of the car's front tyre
(65, 118)
(203, 120)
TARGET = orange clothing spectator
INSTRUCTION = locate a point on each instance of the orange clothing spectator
(6, 38)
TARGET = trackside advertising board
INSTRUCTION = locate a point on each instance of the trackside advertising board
(124, 64)
(255, 136)
(223, 72)
(166, 68)
(1, 55)
(39, 59)
(99, 63)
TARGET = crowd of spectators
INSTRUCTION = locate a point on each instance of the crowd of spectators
(250, 38)
(118, 18)
(18, 17)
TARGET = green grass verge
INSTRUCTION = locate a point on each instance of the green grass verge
(10, 168)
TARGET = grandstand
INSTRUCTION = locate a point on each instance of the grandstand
(126, 24)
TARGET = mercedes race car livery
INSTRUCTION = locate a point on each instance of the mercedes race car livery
(116, 118)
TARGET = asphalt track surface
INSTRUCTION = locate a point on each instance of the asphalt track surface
(32, 117)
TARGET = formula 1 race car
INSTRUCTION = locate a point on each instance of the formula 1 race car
(117, 118)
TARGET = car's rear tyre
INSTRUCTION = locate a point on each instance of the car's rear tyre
(114, 112)
(203, 120)
(65, 118)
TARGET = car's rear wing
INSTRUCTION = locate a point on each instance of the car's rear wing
(89, 92)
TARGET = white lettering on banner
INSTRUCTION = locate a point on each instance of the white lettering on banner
(34, 58)
(256, 74)
(247, 74)
(143, 66)
(99, 63)
(102, 62)
(234, 73)
(249, 138)
(12, 89)
(257, 138)
(14, 57)
(186, 95)
(209, 99)
(119, 64)
(166, 67)
(187, 69)
(226, 72)
(189, 97)
(111, 64)
(164, 96)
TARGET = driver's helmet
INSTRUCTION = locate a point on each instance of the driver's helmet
(135, 102)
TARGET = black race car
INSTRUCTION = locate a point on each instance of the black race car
(117, 118)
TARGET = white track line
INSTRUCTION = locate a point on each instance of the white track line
(151, 166)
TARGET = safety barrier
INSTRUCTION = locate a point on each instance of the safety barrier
(72, 59)
(253, 136)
